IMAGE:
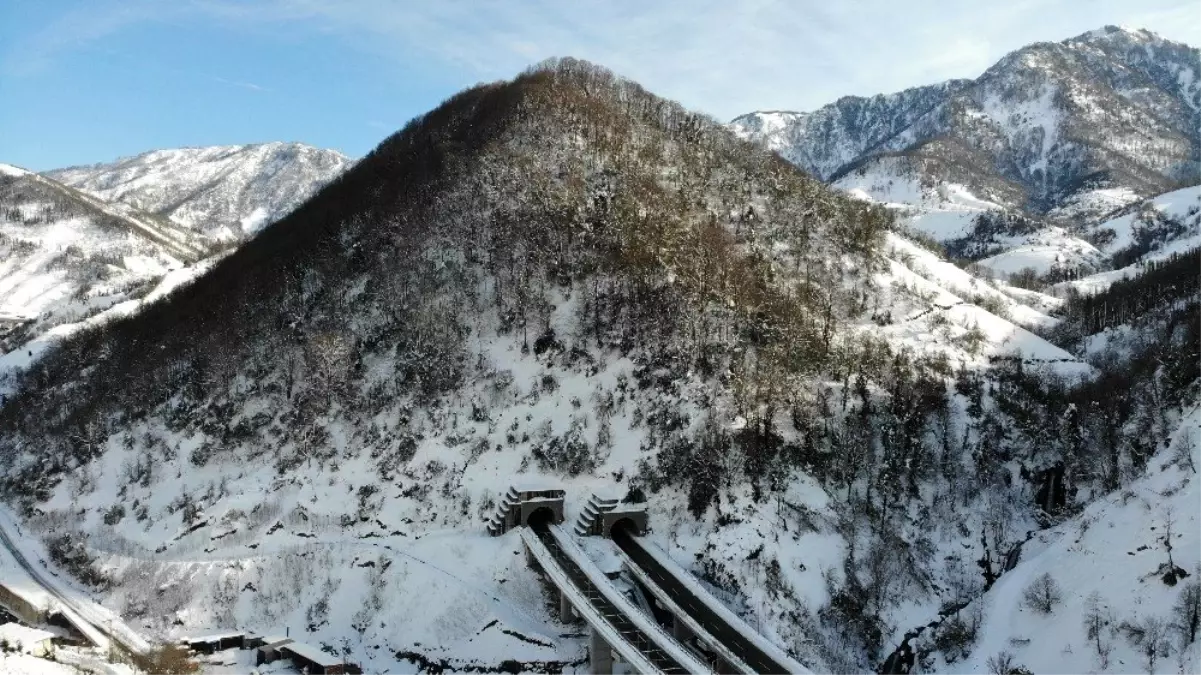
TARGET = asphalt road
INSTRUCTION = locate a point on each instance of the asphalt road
(713, 623)
(47, 586)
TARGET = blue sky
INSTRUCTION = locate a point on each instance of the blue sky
(90, 80)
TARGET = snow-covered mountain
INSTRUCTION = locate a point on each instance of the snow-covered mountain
(1058, 135)
(67, 258)
(829, 138)
(222, 193)
(565, 279)
(1112, 108)
(590, 286)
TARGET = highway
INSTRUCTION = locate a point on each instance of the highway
(614, 616)
(88, 627)
(711, 621)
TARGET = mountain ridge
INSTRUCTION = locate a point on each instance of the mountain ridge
(1114, 63)
(1061, 135)
(224, 193)
(565, 278)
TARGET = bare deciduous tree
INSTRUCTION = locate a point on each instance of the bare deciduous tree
(1099, 627)
(1150, 637)
(1003, 663)
(1042, 595)
(1188, 611)
(1182, 454)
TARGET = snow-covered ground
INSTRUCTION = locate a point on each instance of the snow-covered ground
(936, 307)
(1180, 206)
(1043, 251)
(1183, 205)
(944, 211)
(22, 355)
(12, 663)
(1115, 554)
(1091, 204)
(950, 212)
(10, 170)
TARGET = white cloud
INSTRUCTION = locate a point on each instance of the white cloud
(241, 85)
(718, 56)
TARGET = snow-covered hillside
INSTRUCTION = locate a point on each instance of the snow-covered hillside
(66, 257)
(566, 280)
(222, 193)
(1109, 566)
(941, 210)
(263, 549)
(1149, 231)
(986, 229)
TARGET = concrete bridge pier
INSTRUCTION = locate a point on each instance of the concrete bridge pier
(601, 654)
(680, 630)
(566, 611)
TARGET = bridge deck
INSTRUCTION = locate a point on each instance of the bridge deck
(734, 634)
(618, 619)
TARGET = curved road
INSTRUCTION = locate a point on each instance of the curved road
(66, 602)
(713, 623)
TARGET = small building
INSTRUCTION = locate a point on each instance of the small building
(311, 660)
(27, 603)
(33, 641)
(217, 642)
(267, 648)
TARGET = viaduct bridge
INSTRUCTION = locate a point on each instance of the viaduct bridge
(668, 623)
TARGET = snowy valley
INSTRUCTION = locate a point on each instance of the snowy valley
(932, 408)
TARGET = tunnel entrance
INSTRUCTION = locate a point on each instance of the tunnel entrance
(519, 506)
(624, 526)
(623, 521)
(540, 517)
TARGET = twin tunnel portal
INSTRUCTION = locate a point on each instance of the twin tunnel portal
(657, 619)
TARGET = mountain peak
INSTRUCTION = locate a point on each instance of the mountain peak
(1111, 33)
(1049, 116)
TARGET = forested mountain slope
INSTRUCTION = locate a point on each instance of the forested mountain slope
(1116, 588)
(564, 278)
(827, 139)
(221, 193)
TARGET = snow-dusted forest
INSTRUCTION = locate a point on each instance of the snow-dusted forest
(887, 419)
